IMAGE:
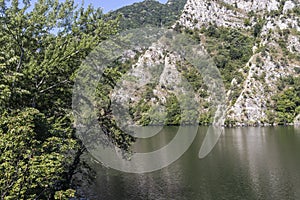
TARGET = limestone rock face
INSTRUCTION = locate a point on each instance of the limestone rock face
(269, 63)
(255, 5)
(294, 44)
(258, 88)
(200, 13)
(288, 6)
(228, 13)
(260, 83)
(232, 13)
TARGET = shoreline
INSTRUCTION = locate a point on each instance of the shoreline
(225, 126)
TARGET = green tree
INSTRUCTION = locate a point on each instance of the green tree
(287, 104)
(173, 110)
(149, 13)
(34, 155)
(258, 27)
(41, 47)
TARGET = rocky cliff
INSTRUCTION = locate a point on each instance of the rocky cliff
(256, 46)
(273, 49)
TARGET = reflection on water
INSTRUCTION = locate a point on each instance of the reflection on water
(247, 163)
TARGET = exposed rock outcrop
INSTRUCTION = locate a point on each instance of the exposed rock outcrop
(281, 28)
(197, 14)
(277, 29)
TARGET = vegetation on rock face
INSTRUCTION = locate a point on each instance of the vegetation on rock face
(287, 103)
(230, 49)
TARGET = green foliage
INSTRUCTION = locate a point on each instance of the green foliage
(205, 119)
(228, 6)
(34, 154)
(287, 103)
(192, 75)
(230, 50)
(39, 63)
(181, 111)
(41, 47)
(258, 27)
(64, 195)
(148, 13)
(173, 110)
(247, 22)
(108, 81)
(146, 113)
(297, 70)
(296, 10)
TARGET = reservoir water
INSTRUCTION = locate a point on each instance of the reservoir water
(247, 163)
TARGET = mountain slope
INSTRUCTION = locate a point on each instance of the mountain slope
(149, 13)
(275, 26)
(255, 45)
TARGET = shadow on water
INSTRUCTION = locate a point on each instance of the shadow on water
(247, 163)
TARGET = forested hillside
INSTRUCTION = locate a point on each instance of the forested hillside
(149, 13)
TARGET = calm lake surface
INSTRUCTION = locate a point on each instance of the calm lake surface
(247, 163)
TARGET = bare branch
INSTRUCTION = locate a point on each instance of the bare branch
(53, 86)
